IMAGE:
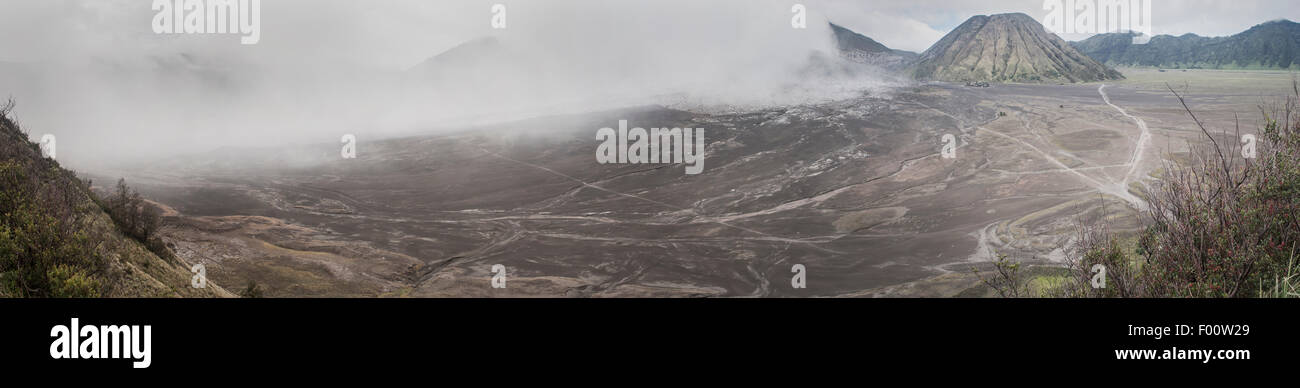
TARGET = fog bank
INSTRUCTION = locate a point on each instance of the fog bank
(94, 73)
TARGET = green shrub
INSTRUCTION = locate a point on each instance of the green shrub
(70, 282)
(252, 290)
(37, 246)
(1218, 226)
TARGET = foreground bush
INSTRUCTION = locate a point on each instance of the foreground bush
(1219, 224)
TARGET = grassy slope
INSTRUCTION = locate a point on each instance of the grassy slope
(124, 267)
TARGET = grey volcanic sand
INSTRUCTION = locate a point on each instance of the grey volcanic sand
(854, 190)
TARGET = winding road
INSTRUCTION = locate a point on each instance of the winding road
(1135, 160)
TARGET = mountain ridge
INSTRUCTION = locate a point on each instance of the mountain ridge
(862, 49)
(1270, 45)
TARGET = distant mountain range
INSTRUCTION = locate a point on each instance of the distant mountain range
(1272, 45)
(998, 48)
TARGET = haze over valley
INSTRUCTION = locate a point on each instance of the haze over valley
(879, 171)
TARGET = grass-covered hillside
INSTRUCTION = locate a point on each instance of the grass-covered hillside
(58, 239)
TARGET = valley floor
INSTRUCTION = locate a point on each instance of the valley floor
(856, 191)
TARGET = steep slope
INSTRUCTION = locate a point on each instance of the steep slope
(1272, 45)
(861, 49)
(1007, 48)
(57, 241)
(466, 55)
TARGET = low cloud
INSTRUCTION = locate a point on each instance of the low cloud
(96, 75)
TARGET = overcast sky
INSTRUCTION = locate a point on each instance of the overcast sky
(403, 32)
(102, 77)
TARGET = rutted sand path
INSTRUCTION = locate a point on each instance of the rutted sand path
(1135, 160)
